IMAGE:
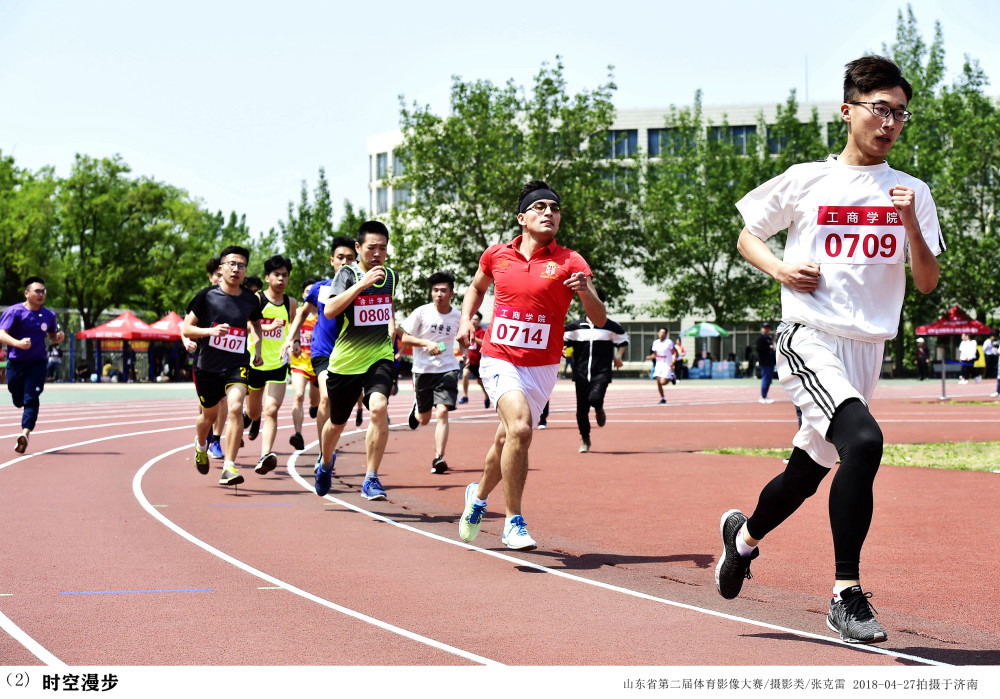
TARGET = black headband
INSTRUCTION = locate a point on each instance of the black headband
(531, 197)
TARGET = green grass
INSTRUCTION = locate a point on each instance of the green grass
(960, 456)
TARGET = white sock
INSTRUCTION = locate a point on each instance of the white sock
(837, 589)
(229, 464)
(370, 474)
(742, 547)
(201, 447)
(481, 503)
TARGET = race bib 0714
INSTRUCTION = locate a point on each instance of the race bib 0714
(519, 327)
(235, 341)
(373, 310)
(859, 235)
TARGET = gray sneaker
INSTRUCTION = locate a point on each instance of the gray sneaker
(852, 617)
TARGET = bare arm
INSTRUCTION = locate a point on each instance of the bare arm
(339, 303)
(294, 329)
(470, 304)
(923, 264)
(592, 304)
(799, 276)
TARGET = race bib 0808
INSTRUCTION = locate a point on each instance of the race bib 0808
(519, 328)
(859, 235)
(372, 310)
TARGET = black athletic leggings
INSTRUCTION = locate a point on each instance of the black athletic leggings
(858, 439)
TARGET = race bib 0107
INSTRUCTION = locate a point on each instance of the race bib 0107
(235, 341)
(859, 235)
(372, 310)
(517, 327)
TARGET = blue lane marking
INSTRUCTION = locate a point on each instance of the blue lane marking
(129, 592)
(275, 504)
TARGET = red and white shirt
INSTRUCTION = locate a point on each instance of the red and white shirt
(530, 301)
(841, 217)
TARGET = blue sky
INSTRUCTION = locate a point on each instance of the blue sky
(238, 103)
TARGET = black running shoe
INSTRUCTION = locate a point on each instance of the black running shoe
(313, 411)
(297, 442)
(267, 463)
(413, 419)
(254, 430)
(357, 418)
(439, 465)
(602, 417)
(246, 421)
(852, 617)
(733, 568)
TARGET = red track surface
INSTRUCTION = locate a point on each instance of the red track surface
(116, 552)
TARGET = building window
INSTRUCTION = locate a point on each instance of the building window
(381, 165)
(775, 143)
(370, 173)
(623, 143)
(400, 197)
(397, 165)
(382, 199)
(738, 136)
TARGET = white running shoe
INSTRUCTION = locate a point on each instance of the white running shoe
(516, 536)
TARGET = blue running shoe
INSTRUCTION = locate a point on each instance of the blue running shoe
(324, 477)
(215, 450)
(372, 489)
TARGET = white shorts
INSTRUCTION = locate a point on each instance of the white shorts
(821, 371)
(535, 382)
(663, 370)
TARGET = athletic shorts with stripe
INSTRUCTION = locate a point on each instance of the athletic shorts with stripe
(261, 377)
(212, 386)
(820, 371)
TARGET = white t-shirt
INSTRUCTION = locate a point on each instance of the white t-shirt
(968, 351)
(664, 350)
(841, 217)
(428, 323)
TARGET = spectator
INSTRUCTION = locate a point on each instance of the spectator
(55, 362)
(991, 352)
(967, 352)
(922, 357)
(765, 359)
(83, 371)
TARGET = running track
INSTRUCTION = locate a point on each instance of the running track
(116, 552)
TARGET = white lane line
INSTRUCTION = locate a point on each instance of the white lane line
(595, 583)
(33, 646)
(137, 490)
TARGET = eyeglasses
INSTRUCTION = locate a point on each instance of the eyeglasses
(235, 265)
(883, 111)
(539, 207)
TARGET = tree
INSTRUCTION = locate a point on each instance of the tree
(27, 217)
(466, 169)
(108, 226)
(305, 236)
(692, 223)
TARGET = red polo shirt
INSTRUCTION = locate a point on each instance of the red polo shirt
(530, 301)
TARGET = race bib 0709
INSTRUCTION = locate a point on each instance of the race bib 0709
(519, 327)
(859, 235)
(373, 310)
(235, 341)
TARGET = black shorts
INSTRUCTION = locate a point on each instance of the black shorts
(473, 370)
(344, 389)
(320, 364)
(260, 377)
(435, 389)
(212, 386)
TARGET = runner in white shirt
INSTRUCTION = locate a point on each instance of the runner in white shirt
(664, 353)
(852, 224)
(431, 331)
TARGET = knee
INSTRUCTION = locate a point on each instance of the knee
(519, 431)
(378, 406)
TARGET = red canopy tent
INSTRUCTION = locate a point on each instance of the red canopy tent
(127, 327)
(170, 323)
(956, 322)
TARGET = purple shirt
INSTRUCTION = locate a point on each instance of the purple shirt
(20, 322)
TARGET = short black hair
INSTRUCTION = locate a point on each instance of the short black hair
(870, 73)
(531, 187)
(276, 262)
(477, 313)
(442, 278)
(342, 241)
(309, 282)
(252, 281)
(376, 227)
(213, 264)
(235, 250)
(33, 280)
